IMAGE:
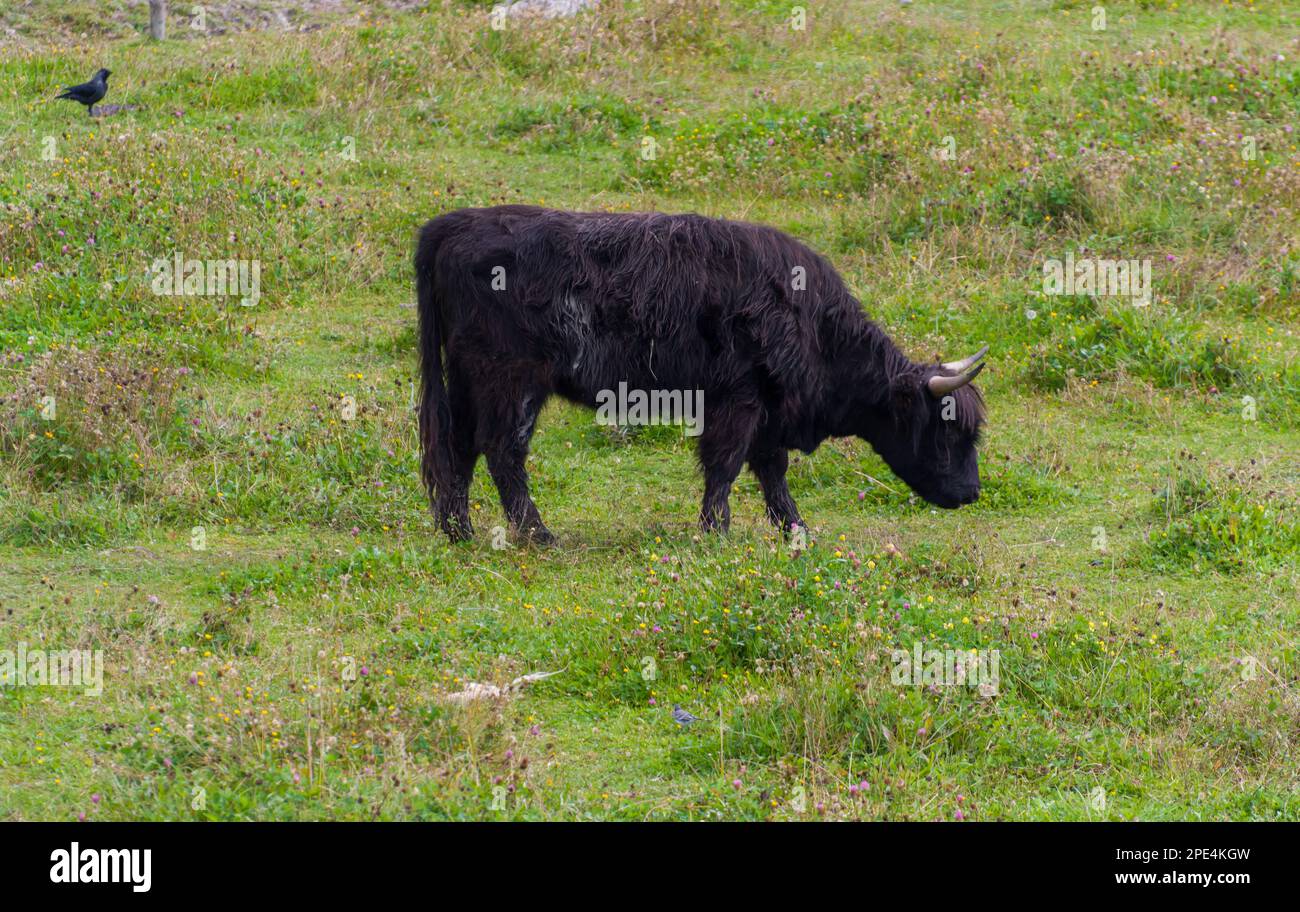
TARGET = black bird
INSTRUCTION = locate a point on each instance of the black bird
(88, 93)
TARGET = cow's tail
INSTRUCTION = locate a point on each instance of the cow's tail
(434, 412)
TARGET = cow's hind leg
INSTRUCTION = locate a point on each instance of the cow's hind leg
(769, 465)
(723, 445)
(452, 503)
(505, 441)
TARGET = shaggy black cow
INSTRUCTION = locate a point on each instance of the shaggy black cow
(526, 302)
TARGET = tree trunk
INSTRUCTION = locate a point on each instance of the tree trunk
(158, 19)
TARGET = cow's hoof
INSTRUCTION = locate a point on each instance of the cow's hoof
(538, 535)
(458, 532)
(793, 529)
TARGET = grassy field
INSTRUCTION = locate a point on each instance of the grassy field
(184, 486)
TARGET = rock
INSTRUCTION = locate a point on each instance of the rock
(548, 9)
(108, 110)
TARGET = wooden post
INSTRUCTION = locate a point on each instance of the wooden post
(158, 19)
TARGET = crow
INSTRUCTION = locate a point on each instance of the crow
(88, 93)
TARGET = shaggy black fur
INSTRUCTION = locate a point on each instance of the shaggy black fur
(662, 302)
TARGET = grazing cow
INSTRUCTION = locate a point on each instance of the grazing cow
(518, 303)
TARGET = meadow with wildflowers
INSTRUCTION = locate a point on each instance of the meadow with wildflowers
(225, 499)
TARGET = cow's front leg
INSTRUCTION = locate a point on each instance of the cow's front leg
(715, 512)
(769, 465)
(723, 446)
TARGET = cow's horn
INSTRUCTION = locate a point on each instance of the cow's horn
(958, 367)
(942, 386)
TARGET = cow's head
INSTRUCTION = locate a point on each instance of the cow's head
(931, 428)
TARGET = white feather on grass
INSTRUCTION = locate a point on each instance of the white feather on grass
(476, 691)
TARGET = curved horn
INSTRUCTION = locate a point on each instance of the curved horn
(965, 364)
(942, 386)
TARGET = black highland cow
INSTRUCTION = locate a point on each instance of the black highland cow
(518, 303)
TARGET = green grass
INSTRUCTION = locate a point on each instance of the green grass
(1133, 558)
